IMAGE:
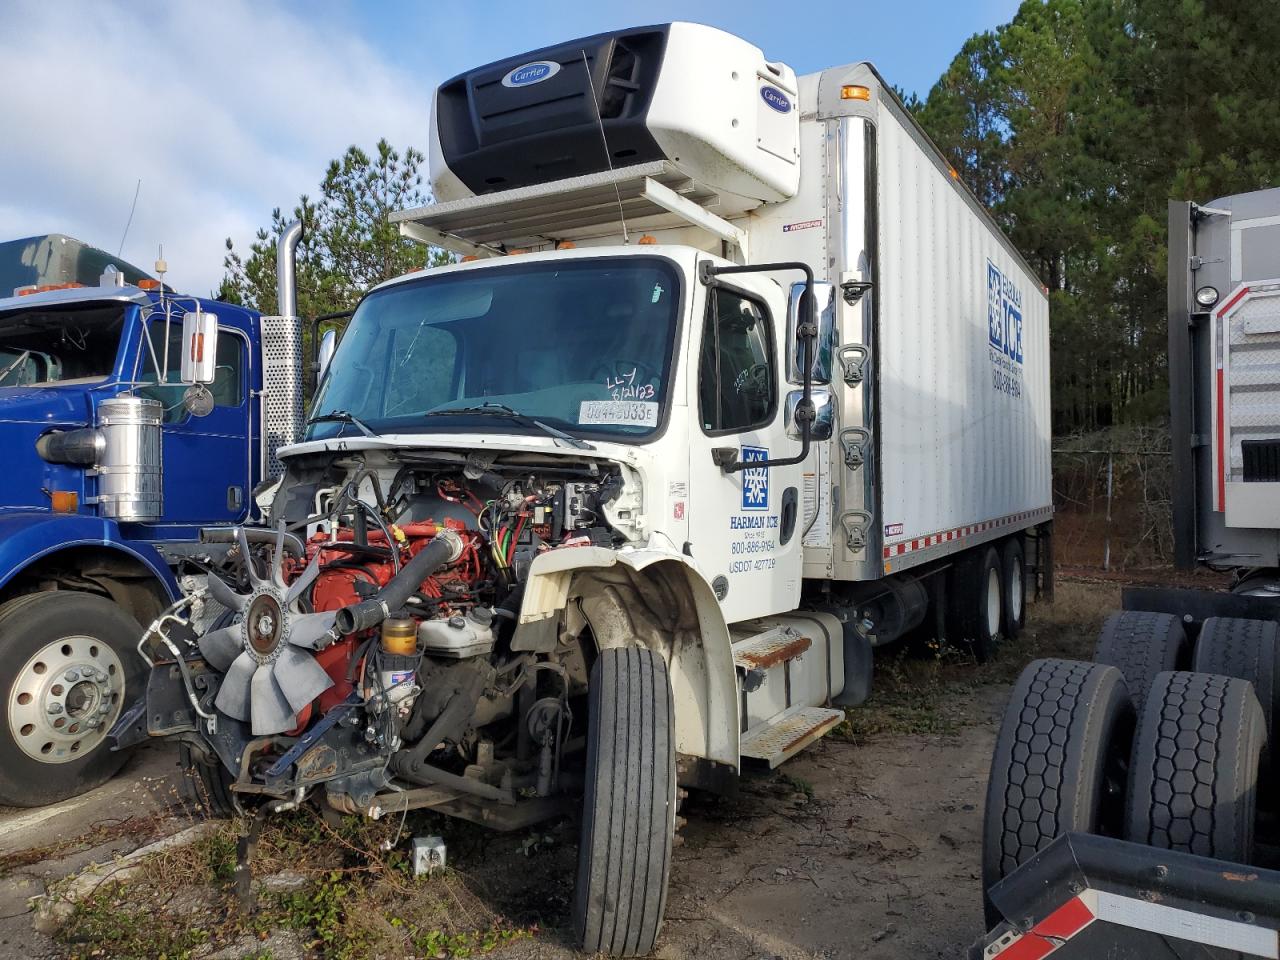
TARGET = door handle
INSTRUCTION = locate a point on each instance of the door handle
(235, 499)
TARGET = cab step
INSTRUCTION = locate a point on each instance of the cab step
(788, 733)
(769, 649)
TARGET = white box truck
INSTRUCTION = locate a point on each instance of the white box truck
(734, 381)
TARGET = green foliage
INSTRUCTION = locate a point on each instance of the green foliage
(349, 243)
(1075, 123)
(104, 924)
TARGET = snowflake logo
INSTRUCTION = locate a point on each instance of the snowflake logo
(755, 480)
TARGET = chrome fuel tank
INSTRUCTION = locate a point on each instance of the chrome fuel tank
(130, 472)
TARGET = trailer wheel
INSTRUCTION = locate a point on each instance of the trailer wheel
(68, 666)
(1059, 763)
(1013, 566)
(1235, 647)
(628, 822)
(977, 602)
(1193, 776)
(1142, 644)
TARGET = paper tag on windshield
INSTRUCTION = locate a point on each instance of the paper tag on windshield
(631, 413)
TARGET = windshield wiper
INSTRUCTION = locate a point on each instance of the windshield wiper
(489, 409)
(343, 417)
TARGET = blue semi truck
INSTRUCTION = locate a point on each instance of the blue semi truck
(136, 425)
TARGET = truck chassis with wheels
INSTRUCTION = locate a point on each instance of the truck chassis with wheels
(622, 502)
(1133, 807)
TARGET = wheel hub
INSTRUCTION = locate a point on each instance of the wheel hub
(65, 699)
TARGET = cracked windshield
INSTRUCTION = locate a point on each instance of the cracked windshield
(584, 347)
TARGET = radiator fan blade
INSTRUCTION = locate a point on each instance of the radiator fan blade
(308, 629)
(301, 679)
(270, 710)
(221, 647)
(221, 592)
(277, 558)
(243, 540)
(304, 580)
(234, 695)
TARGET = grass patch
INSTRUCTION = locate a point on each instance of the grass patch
(937, 689)
(350, 897)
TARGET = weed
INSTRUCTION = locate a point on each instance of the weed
(108, 924)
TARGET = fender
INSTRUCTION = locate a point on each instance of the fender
(27, 536)
(677, 614)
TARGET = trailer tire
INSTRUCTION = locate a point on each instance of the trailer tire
(1246, 649)
(977, 599)
(1014, 568)
(1059, 763)
(67, 662)
(628, 822)
(1193, 775)
(1142, 645)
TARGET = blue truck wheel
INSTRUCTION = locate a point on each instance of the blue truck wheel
(68, 667)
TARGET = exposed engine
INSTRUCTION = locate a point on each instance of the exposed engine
(367, 640)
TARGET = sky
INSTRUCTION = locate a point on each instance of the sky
(226, 109)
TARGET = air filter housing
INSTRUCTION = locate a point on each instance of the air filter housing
(701, 98)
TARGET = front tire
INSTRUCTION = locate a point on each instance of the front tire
(68, 667)
(628, 820)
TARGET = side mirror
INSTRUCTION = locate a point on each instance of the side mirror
(824, 414)
(823, 348)
(199, 347)
(328, 344)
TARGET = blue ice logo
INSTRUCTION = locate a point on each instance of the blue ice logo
(755, 480)
(775, 98)
(1004, 314)
(531, 73)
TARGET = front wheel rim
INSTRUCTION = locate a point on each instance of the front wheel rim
(65, 699)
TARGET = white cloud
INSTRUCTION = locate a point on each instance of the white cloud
(224, 110)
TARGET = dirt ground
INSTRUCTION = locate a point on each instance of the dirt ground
(867, 845)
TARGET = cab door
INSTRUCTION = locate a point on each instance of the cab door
(743, 524)
(206, 460)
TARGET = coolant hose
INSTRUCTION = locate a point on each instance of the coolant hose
(445, 548)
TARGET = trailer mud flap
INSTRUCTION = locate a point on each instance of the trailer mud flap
(1085, 896)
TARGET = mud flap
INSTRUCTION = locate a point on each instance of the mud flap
(1084, 896)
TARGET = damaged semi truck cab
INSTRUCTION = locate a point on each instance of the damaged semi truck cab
(734, 382)
(116, 457)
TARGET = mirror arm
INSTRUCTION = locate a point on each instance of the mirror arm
(726, 458)
(315, 330)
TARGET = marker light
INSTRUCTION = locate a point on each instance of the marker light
(1207, 296)
(854, 91)
(146, 283)
(648, 239)
(64, 501)
(45, 288)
